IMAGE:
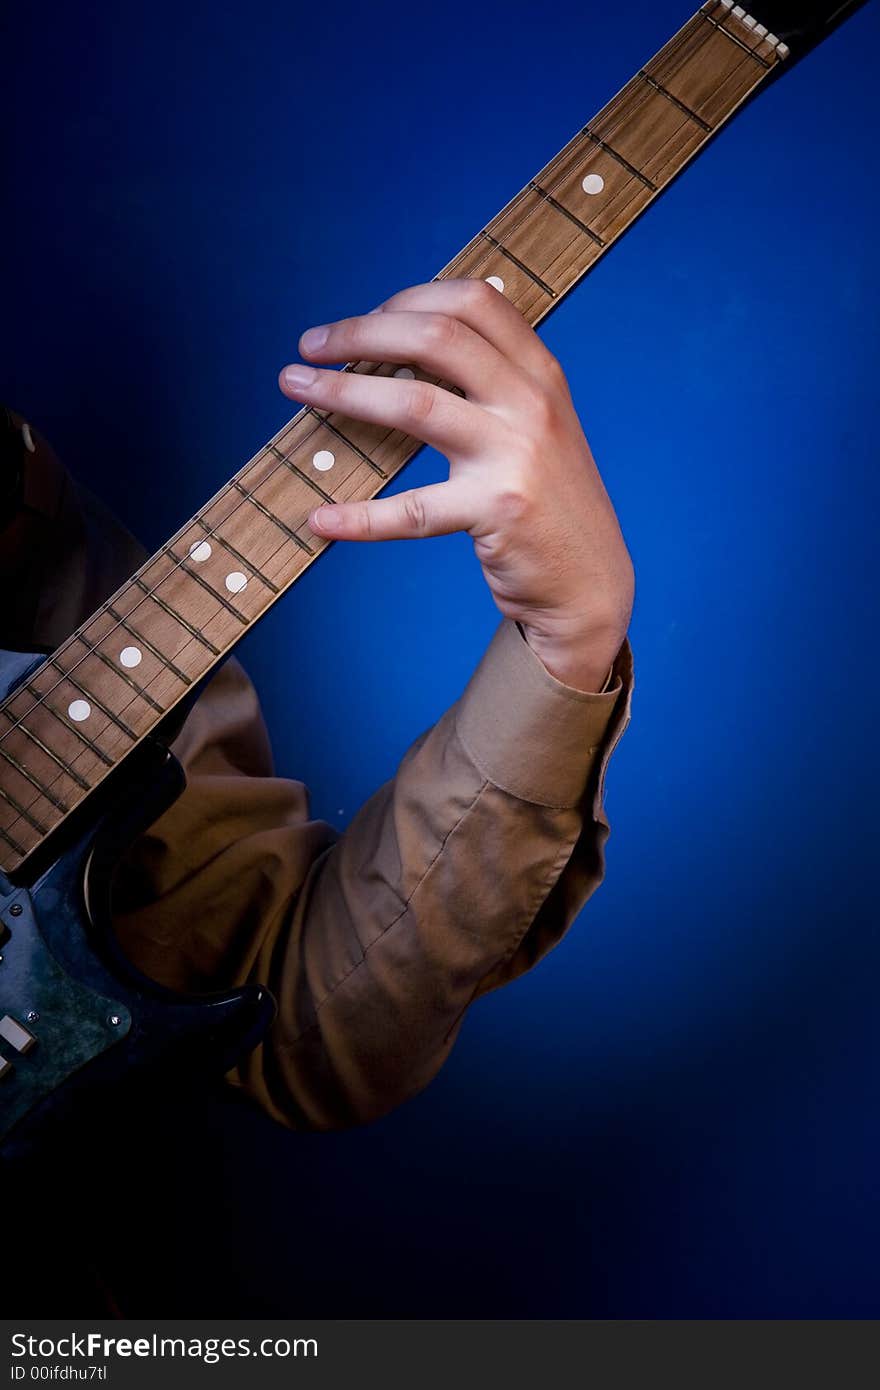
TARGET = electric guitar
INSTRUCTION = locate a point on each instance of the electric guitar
(85, 764)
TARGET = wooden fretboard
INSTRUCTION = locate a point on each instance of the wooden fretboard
(110, 684)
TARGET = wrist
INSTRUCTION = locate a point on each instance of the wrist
(584, 664)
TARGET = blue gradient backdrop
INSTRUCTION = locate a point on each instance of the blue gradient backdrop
(676, 1114)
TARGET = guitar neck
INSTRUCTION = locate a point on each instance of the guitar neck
(120, 674)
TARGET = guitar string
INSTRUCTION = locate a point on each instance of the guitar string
(580, 137)
(613, 108)
(677, 42)
(615, 114)
(611, 118)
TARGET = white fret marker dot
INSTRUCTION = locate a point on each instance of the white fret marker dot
(405, 374)
(131, 656)
(593, 183)
(200, 551)
(236, 581)
(323, 460)
(79, 710)
(496, 282)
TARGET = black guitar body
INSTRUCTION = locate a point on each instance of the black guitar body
(88, 1018)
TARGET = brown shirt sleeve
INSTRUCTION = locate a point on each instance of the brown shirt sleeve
(456, 876)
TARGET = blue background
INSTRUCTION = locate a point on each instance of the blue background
(676, 1114)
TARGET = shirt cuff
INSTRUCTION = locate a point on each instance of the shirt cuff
(527, 732)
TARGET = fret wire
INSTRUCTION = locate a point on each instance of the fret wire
(618, 103)
(696, 29)
(746, 54)
(152, 594)
(735, 39)
(612, 110)
(547, 170)
(548, 198)
(20, 811)
(139, 637)
(309, 482)
(622, 107)
(619, 109)
(638, 99)
(472, 246)
(611, 240)
(184, 568)
(19, 849)
(631, 168)
(41, 700)
(38, 742)
(625, 106)
(668, 52)
(280, 547)
(172, 613)
(320, 421)
(38, 786)
(236, 554)
(235, 482)
(675, 44)
(616, 108)
(692, 115)
(122, 673)
(532, 185)
(350, 442)
(276, 520)
(325, 421)
(632, 95)
(180, 562)
(89, 695)
(304, 414)
(517, 262)
(43, 703)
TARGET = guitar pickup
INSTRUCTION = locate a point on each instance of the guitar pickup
(16, 1035)
(5, 1068)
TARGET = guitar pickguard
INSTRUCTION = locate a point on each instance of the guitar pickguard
(50, 1023)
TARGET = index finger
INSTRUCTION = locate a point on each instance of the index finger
(483, 308)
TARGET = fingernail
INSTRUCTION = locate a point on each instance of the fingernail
(314, 338)
(327, 518)
(298, 376)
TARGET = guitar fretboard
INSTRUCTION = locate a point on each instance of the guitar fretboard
(112, 682)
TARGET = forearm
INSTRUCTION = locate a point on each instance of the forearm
(434, 892)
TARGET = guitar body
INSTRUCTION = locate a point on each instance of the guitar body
(75, 1014)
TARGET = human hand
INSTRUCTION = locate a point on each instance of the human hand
(522, 480)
